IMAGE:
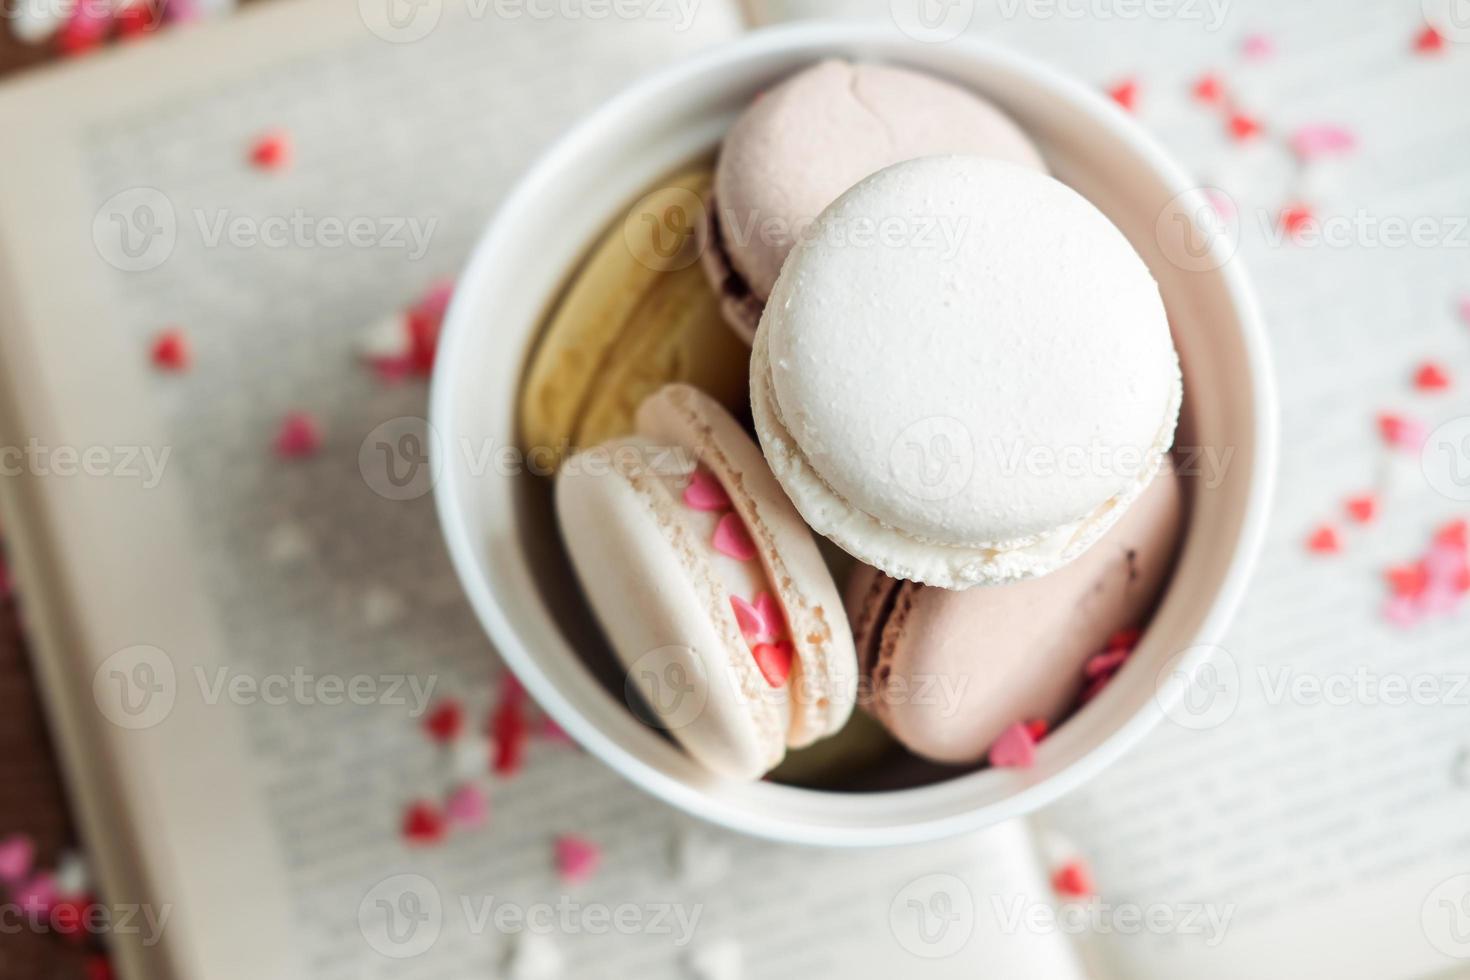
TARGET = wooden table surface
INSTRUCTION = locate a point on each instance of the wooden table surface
(32, 799)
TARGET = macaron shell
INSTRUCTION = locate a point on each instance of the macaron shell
(824, 675)
(740, 307)
(805, 141)
(902, 390)
(665, 613)
(631, 318)
(954, 669)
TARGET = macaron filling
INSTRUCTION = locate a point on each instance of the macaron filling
(738, 301)
(733, 557)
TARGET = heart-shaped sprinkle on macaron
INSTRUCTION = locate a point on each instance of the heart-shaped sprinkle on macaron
(752, 627)
(705, 492)
(774, 661)
(732, 539)
(1014, 749)
(773, 620)
(1100, 664)
(1038, 728)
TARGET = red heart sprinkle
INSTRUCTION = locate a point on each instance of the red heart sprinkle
(423, 823)
(446, 721)
(1244, 127)
(1038, 728)
(1125, 93)
(1295, 219)
(1407, 580)
(1209, 89)
(1073, 880)
(1362, 508)
(1324, 541)
(300, 435)
(1125, 639)
(1429, 41)
(1456, 533)
(774, 661)
(171, 350)
(1431, 377)
(271, 151)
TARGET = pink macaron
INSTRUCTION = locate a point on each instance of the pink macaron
(819, 132)
(949, 671)
(708, 586)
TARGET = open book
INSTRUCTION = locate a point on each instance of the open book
(176, 574)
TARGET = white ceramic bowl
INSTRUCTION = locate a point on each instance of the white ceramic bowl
(498, 524)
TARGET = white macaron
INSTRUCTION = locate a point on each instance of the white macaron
(708, 586)
(966, 375)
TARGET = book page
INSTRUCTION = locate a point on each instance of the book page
(330, 618)
(1319, 830)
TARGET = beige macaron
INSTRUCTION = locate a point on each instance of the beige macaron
(949, 671)
(708, 586)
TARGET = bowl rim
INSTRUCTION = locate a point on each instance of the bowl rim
(811, 36)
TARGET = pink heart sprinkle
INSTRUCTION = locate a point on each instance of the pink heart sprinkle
(705, 493)
(17, 854)
(37, 895)
(300, 435)
(732, 539)
(1257, 47)
(1317, 141)
(752, 626)
(1402, 611)
(1444, 563)
(1440, 598)
(467, 807)
(772, 616)
(1014, 749)
(1101, 664)
(1401, 432)
(577, 858)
